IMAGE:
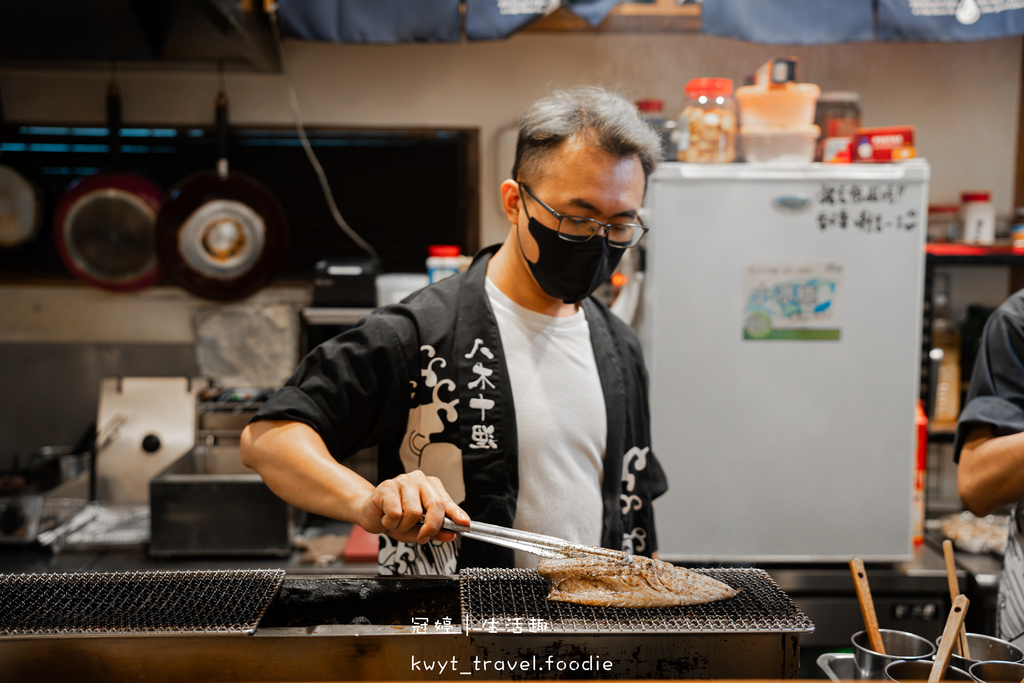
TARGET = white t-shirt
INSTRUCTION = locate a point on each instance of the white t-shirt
(560, 420)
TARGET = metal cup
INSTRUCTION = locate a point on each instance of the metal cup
(899, 645)
(984, 649)
(987, 672)
(918, 670)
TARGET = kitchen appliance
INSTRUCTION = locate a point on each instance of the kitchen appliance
(156, 424)
(488, 624)
(221, 234)
(783, 334)
(103, 225)
(346, 282)
(208, 503)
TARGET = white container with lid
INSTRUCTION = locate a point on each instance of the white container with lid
(978, 217)
(779, 144)
(443, 260)
(393, 287)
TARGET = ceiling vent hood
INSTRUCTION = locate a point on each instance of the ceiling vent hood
(159, 34)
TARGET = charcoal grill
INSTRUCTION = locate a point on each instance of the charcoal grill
(202, 602)
(504, 600)
(488, 624)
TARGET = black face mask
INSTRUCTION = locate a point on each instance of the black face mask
(570, 271)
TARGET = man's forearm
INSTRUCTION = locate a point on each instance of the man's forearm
(991, 470)
(296, 465)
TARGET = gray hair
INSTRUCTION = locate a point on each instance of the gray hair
(604, 118)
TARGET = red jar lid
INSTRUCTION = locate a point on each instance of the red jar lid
(943, 208)
(975, 196)
(652, 105)
(444, 250)
(709, 87)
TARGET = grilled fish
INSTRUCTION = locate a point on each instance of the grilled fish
(643, 582)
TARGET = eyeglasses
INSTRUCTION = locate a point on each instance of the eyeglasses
(580, 229)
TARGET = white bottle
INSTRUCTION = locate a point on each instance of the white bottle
(444, 260)
(978, 217)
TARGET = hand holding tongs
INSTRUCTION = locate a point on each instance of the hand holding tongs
(536, 544)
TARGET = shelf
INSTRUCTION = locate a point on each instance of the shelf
(334, 316)
(950, 253)
(665, 16)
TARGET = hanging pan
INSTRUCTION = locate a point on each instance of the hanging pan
(20, 209)
(104, 225)
(221, 234)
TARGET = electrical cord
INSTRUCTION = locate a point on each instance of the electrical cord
(304, 141)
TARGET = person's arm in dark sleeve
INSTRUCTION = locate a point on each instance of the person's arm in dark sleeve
(990, 432)
(345, 395)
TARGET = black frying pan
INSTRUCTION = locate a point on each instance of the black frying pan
(221, 234)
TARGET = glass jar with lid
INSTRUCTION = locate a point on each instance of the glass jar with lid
(838, 116)
(838, 113)
(706, 130)
(652, 110)
(977, 217)
(943, 222)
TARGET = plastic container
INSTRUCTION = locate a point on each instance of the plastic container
(779, 144)
(393, 287)
(653, 110)
(943, 223)
(706, 129)
(978, 217)
(443, 260)
(786, 104)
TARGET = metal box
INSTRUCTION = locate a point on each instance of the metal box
(208, 503)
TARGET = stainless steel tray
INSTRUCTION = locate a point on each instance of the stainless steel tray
(838, 666)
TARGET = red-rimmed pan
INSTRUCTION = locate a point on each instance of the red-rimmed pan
(21, 212)
(105, 225)
(221, 234)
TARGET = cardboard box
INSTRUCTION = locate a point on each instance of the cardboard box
(874, 145)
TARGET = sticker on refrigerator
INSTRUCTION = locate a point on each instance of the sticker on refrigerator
(792, 302)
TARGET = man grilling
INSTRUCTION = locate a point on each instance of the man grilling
(506, 394)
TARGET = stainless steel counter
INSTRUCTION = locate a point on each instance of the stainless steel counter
(15, 559)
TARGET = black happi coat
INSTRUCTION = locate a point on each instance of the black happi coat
(996, 399)
(426, 381)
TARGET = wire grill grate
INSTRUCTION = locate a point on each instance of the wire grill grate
(515, 601)
(229, 601)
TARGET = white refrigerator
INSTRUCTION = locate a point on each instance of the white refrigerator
(782, 331)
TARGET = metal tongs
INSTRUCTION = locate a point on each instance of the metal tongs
(536, 544)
